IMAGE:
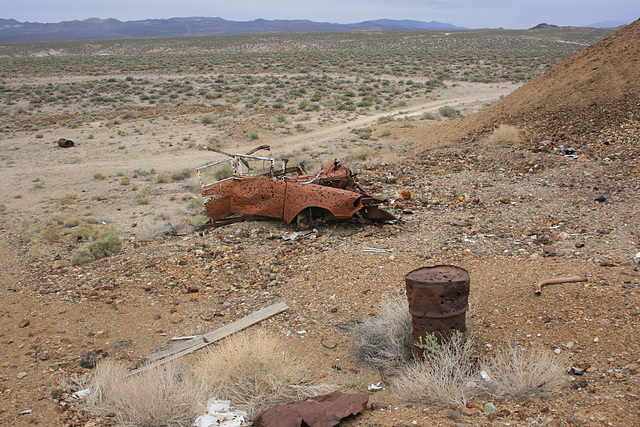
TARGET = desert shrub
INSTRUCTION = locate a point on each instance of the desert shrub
(195, 203)
(50, 233)
(359, 155)
(504, 136)
(224, 171)
(364, 133)
(85, 232)
(142, 199)
(163, 177)
(125, 180)
(67, 199)
(182, 174)
(427, 115)
(3, 209)
(165, 395)
(253, 136)
(99, 176)
(255, 372)
(106, 244)
(449, 112)
(446, 376)
(386, 340)
(199, 220)
(518, 373)
(207, 119)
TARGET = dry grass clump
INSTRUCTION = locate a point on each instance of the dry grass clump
(386, 340)
(518, 373)
(504, 136)
(359, 155)
(446, 377)
(450, 376)
(255, 372)
(166, 395)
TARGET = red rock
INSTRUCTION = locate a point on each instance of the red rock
(474, 405)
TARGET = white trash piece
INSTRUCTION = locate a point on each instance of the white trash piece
(375, 387)
(637, 258)
(219, 414)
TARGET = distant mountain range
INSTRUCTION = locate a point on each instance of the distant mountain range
(12, 31)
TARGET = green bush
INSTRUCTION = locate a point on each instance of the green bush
(448, 111)
(142, 199)
(107, 244)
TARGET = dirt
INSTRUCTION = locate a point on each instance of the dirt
(510, 215)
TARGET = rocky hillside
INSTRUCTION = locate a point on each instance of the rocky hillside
(589, 100)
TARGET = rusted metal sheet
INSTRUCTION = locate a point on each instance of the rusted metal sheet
(438, 301)
(320, 411)
(65, 143)
(276, 194)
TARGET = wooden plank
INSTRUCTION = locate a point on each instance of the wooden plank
(185, 347)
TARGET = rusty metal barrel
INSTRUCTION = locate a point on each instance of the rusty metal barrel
(65, 143)
(438, 301)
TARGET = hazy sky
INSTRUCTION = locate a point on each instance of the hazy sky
(466, 13)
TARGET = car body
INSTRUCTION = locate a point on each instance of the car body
(286, 193)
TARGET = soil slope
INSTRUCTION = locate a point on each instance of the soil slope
(589, 99)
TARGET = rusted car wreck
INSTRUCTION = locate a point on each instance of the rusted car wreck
(256, 188)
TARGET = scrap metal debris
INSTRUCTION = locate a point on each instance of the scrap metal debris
(320, 411)
(65, 143)
(295, 234)
(288, 193)
(376, 250)
(572, 279)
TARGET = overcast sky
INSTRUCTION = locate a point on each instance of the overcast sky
(465, 13)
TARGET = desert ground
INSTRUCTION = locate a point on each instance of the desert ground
(510, 210)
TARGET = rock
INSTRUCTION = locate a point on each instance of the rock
(609, 262)
(503, 413)
(584, 365)
(24, 323)
(405, 194)
(376, 406)
(56, 393)
(633, 368)
(469, 412)
(474, 405)
(21, 375)
(191, 289)
(101, 334)
(579, 244)
(90, 360)
(490, 408)
(454, 415)
(578, 384)
(563, 237)
(176, 318)
(576, 371)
